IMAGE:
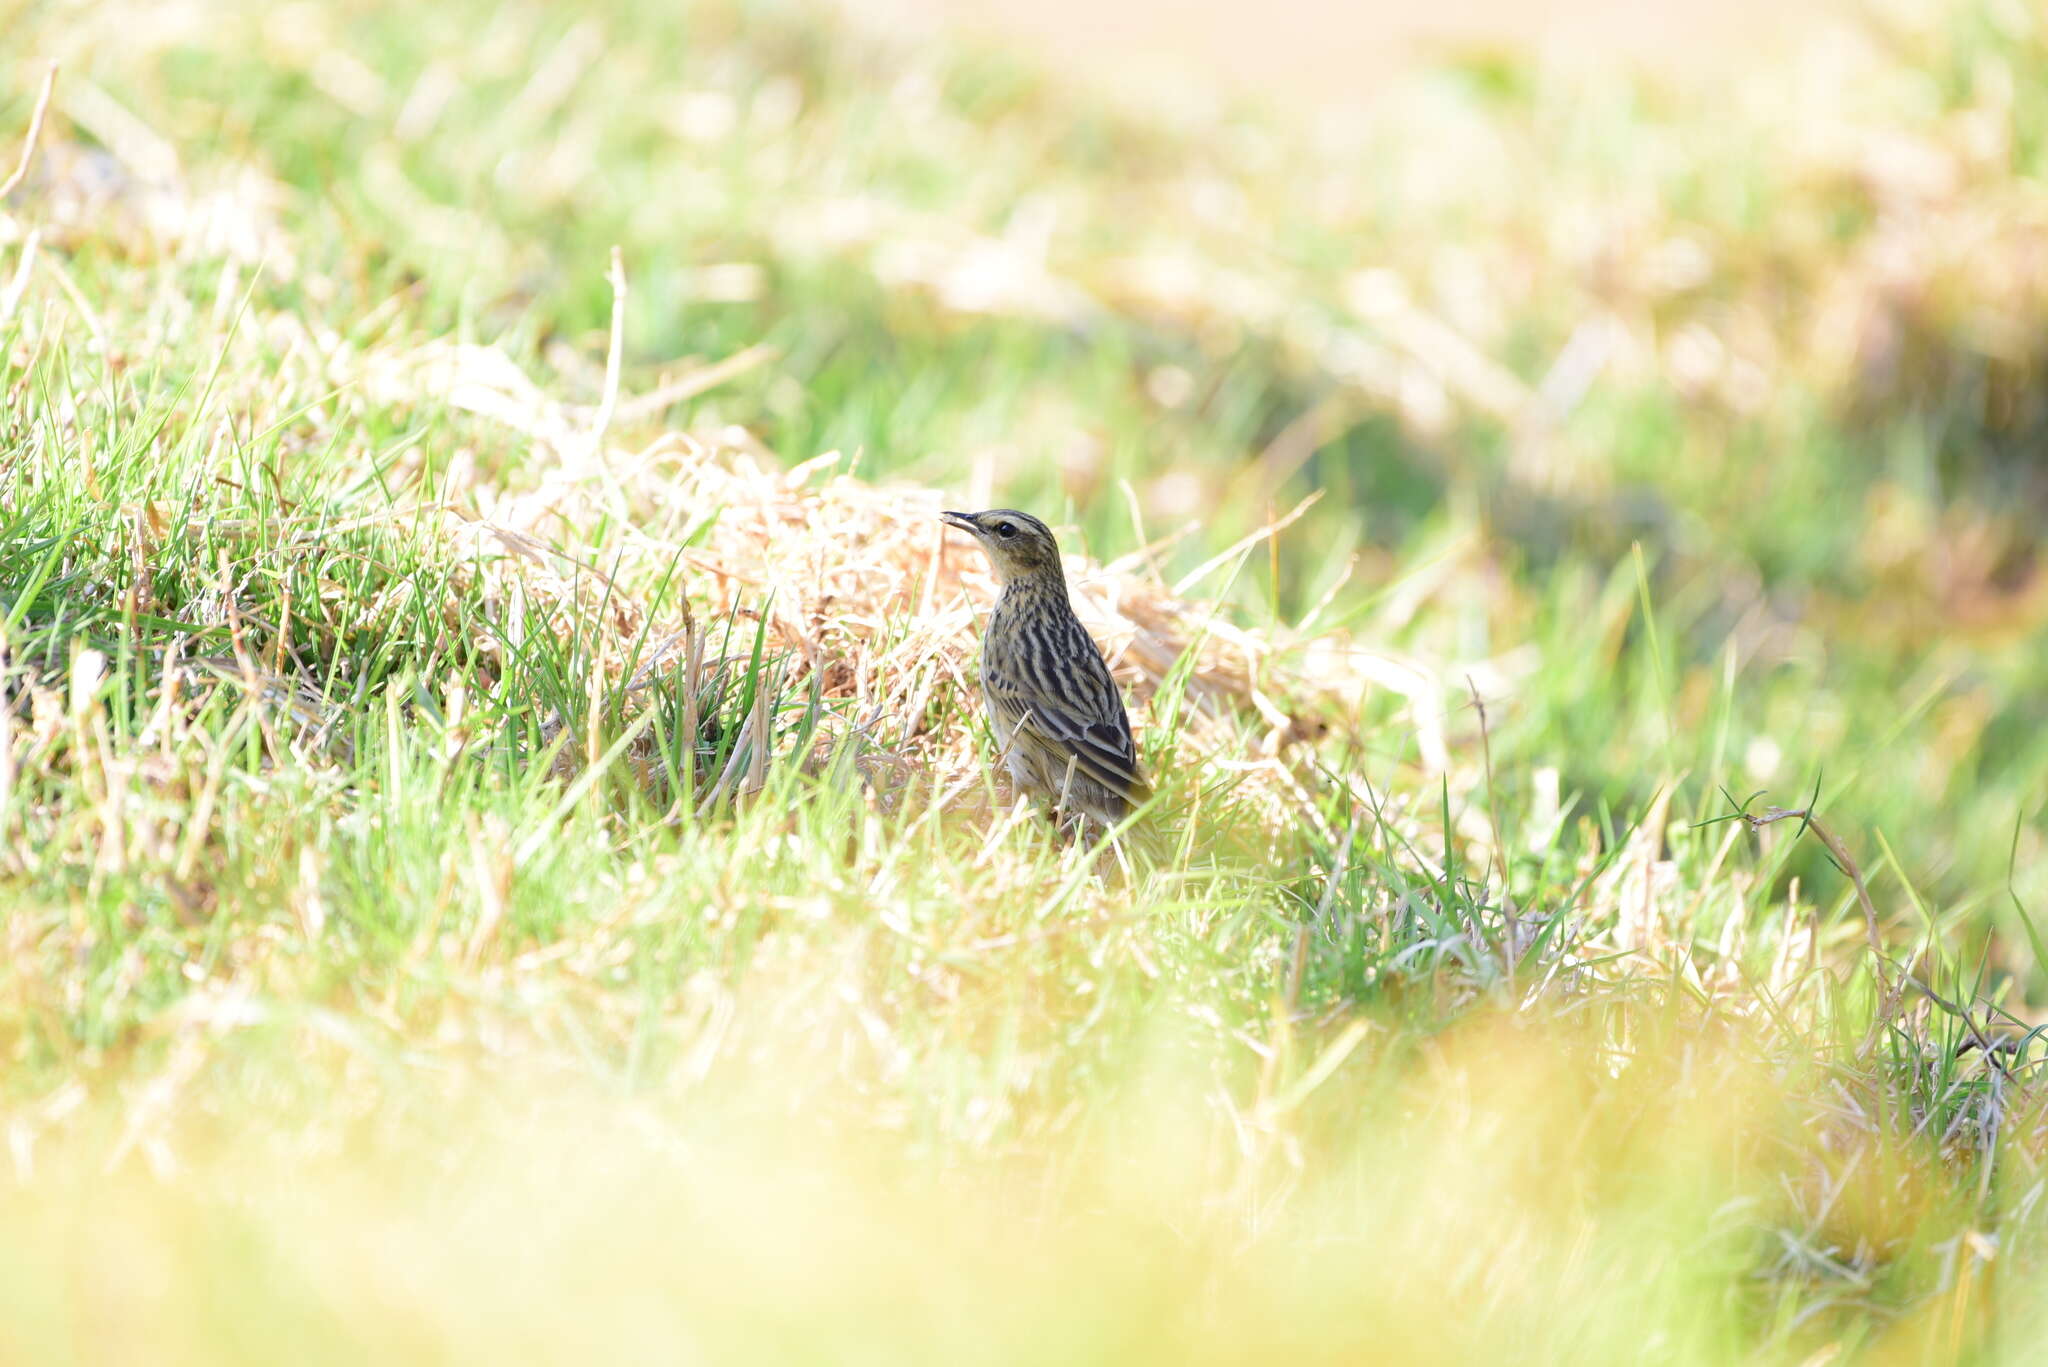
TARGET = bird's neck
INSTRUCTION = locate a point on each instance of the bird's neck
(1029, 590)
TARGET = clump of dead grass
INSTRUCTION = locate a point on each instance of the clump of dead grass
(855, 584)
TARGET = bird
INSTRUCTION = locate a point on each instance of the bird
(1057, 714)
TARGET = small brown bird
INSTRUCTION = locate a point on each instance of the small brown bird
(1056, 711)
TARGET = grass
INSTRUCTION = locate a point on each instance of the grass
(499, 837)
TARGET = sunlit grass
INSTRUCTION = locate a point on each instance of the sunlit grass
(500, 865)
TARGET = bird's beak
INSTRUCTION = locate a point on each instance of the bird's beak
(960, 520)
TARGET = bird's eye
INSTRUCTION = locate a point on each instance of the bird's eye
(1006, 529)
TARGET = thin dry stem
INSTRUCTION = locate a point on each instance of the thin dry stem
(1893, 983)
(35, 131)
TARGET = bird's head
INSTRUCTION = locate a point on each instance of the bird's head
(1018, 544)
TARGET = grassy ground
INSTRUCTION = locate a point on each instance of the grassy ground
(498, 836)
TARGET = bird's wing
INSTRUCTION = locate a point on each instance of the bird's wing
(1086, 720)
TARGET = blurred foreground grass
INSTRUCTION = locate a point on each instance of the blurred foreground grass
(1505, 1194)
(498, 867)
